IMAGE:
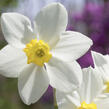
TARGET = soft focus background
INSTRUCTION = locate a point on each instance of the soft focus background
(90, 17)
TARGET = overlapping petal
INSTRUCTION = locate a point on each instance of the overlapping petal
(71, 46)
(32, 83)
(50, 22)
(16, 29)
(64, 76)
(91, 86)
(99, 59)
(101, 62)
(12, 61)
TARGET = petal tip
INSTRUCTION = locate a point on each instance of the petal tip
(91, 42)
(94, 54)
(57, 5)
(3, 17)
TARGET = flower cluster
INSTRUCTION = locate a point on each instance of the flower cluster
(93, 92)
(45, 54)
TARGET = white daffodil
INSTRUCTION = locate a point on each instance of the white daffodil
(88, 96)
(43, 55)
(101, 62)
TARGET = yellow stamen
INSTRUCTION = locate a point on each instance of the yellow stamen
(84, 105)
(107, 87)
(37, 52)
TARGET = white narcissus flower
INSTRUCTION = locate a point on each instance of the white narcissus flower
(43, 55)
(101, 62)
(88, 96)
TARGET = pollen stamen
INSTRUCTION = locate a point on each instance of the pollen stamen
(107, 87)
(37, 52)
(84, 105)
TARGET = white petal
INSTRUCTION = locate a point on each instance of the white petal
(64, 102)
(101, 63)
(98, 59)
(64, 76)
(32, 83)
(50, 22)
(91, 86)
(102, 103)
(16, 29)
(71, 46)
(12, 61)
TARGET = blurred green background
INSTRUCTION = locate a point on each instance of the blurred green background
(4, 4)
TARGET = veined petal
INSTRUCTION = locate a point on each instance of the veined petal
(101, 62)
(67, 101)
(16, 29)
(91, 86)
(50, 22)
(32, 83)
(12, 61)
(71, 46)
(64, 76)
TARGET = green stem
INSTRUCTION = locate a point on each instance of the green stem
(54, 95)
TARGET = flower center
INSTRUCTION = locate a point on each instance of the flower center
(40, 52)
(84, 105)
(107, 87)
(37, 52)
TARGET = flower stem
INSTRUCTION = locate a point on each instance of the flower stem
(54, 95)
